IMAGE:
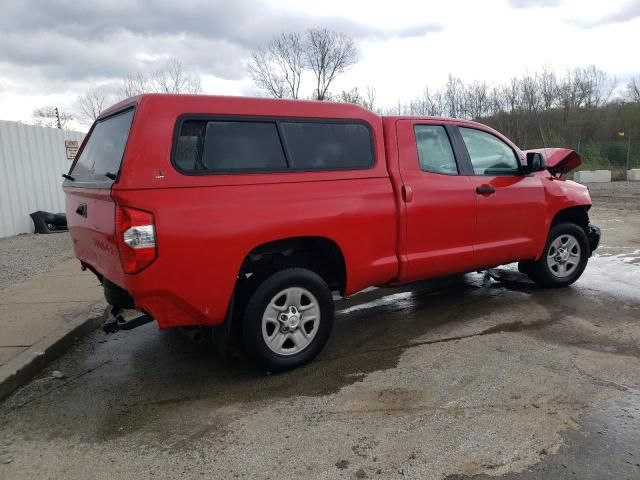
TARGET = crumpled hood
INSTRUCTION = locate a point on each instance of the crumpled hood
(559, 160)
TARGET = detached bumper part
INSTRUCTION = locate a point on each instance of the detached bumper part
(593, 234)
(47, 222)
(116, 322)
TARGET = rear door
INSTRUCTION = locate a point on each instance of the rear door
(511, 204)
(90, 208)
(440, 202)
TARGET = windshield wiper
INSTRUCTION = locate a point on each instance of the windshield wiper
(68, 177)
(110, 175)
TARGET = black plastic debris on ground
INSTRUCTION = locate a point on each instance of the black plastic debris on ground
(47, 222)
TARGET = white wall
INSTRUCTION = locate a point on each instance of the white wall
(32, 160)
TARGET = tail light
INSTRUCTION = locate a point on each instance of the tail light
(136, 238)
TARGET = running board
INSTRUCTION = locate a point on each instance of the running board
(116, 322)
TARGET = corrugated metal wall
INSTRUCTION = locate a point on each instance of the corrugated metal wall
(31, 162)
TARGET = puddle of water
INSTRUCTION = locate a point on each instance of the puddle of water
(398, 300)
(617, 275)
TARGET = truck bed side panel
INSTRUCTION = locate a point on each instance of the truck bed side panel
(205, 233)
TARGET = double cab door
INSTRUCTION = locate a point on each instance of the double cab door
(467, 202)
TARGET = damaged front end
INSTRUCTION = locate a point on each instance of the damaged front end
(559, 161)
(593, 235)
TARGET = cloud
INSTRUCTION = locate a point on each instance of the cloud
(628, 12)
(533, 3)
(86, 40)
(414, 31)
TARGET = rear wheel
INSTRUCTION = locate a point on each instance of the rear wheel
(288, 319)
(564, 257)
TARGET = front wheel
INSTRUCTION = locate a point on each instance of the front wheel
(564, 257)
(288, 319)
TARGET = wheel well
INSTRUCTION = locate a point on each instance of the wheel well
(577, 215)
(319, 254)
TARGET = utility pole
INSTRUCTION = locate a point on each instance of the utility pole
(628, 150)
(58, 119)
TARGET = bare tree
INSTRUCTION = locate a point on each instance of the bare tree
(598, 85)
(50, 116)
(420, 104)
(173, 79)
(571, 97)
(496, 101)
(633, 90)
(512, 93)
(90, 105)
(476, 100)
(278, 67)
(328, 54)
(370, 98)
(548, 86)
(351, 96)
(264, 75)
(366, 100)
(453, 95)
(133, 84)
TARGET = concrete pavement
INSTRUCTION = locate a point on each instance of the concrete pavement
(42, 316)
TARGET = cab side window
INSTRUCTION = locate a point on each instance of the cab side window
(489, 155)
(435, 153)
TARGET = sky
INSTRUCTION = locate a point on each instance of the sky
(53, 51)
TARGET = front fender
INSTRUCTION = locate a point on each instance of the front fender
(567, 198)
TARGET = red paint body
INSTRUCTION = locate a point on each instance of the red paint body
(393, 223)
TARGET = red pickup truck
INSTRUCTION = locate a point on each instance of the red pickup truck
(245, 214)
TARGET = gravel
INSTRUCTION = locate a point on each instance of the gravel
(618, 195)
(24, 256)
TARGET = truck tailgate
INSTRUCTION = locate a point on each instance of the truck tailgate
(91, 210)
(91, 220)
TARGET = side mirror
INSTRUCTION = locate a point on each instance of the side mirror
(535, 162)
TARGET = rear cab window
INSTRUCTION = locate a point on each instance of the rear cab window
(435, 153)
(102, 154)
(207, 146)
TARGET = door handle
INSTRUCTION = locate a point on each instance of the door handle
(485, 190)
(82, 210)
(407, 193)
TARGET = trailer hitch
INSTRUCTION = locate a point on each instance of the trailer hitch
(116, 322)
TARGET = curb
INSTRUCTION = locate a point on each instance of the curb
(27, 364)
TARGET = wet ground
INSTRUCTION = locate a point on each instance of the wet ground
(472, 377)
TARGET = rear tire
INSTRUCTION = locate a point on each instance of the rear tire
(563, 259)
(288, 319)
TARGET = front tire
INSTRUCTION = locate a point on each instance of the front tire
(564, 257)
(288, 319)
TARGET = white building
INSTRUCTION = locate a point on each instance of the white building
(32, 160)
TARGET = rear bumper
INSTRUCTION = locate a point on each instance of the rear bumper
(166, 309)
(593, 235)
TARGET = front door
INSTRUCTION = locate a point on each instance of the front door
(511, 204)
(439, 202)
